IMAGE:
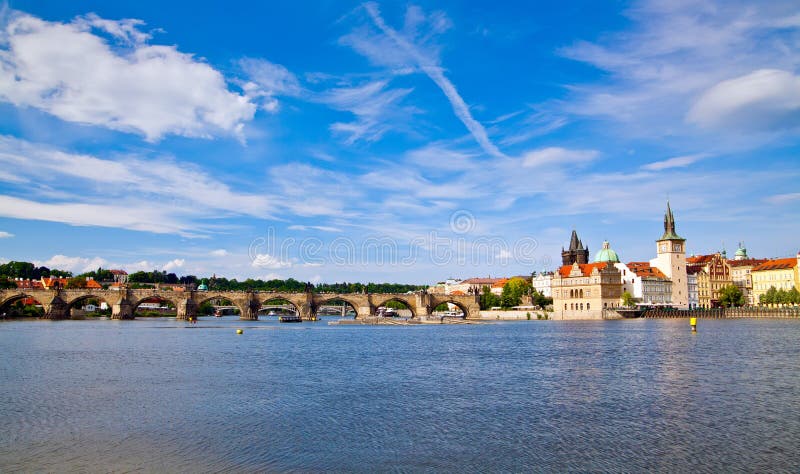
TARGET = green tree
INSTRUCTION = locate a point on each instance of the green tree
(206, 308)
(731, 296)
(794, 296)
(770, 297)
(488, 300)
(628, 300)
(513, 291)
(541, 300)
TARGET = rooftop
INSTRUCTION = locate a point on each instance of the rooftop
(586, 268)
(777, 264)
(643, 269)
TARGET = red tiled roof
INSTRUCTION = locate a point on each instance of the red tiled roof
(777, 264)
(457, 293)
(698, 259)
(586, 268)
(692, 269)
(29, 284)
(118, 272)
(481, 281)
(93, 285)
(749, 261)
(500, 283)
(643, 269)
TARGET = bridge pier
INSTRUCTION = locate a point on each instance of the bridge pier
(186, 309)
(249, 310)
(122, 310)
(56, 309)
(305, 312)
(422, 306)
(365, 311)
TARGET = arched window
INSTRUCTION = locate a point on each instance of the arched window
(565, 306)
(587, 306)
(581, 306)
(581, 293)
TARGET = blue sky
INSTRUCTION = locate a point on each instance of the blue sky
(406, 142)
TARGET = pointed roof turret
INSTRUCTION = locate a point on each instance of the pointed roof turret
(669, 226)
(574, 243)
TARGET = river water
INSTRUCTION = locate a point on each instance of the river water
(161, 396)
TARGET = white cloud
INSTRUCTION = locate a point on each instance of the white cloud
(263, 260)
(140, 266)
(140, 217)
(219, 253)
(676, 162)
(269, 276)
(558, 156)
(67, 70)
(75, 265)
(5, 235)
(765, 99)
(173, 264)
(653, 75)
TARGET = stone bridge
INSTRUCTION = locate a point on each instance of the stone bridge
(57, 304)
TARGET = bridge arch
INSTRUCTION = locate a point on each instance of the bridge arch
(75, 300)
(206, 297)
(7, 305)
(318, 303)
(468, 305)
(409, 303)
(275, 299)
(158, 297)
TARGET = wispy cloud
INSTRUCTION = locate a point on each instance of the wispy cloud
(675, 162)
(408, 50)
(123, 191)
(783, 198)
(322, 228)
(558, 156)
(377, 109)
(5, 235)
(267, 80)
(74, 73)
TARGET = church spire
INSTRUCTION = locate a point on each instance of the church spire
(574, 243)
(669, 226)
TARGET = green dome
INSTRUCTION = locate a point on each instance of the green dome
(202, 286)
(606, 254)
(741, 252)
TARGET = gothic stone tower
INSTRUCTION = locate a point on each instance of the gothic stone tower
(576, 252)
(671, 260)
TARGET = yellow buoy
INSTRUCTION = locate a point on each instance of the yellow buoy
(693, 324)
(239, 331)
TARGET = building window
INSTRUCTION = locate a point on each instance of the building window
(587, 306)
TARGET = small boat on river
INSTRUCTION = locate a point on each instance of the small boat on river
(290, 318)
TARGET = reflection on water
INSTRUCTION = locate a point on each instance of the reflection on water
(159, 396)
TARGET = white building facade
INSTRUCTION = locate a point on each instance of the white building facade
(543, 283)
